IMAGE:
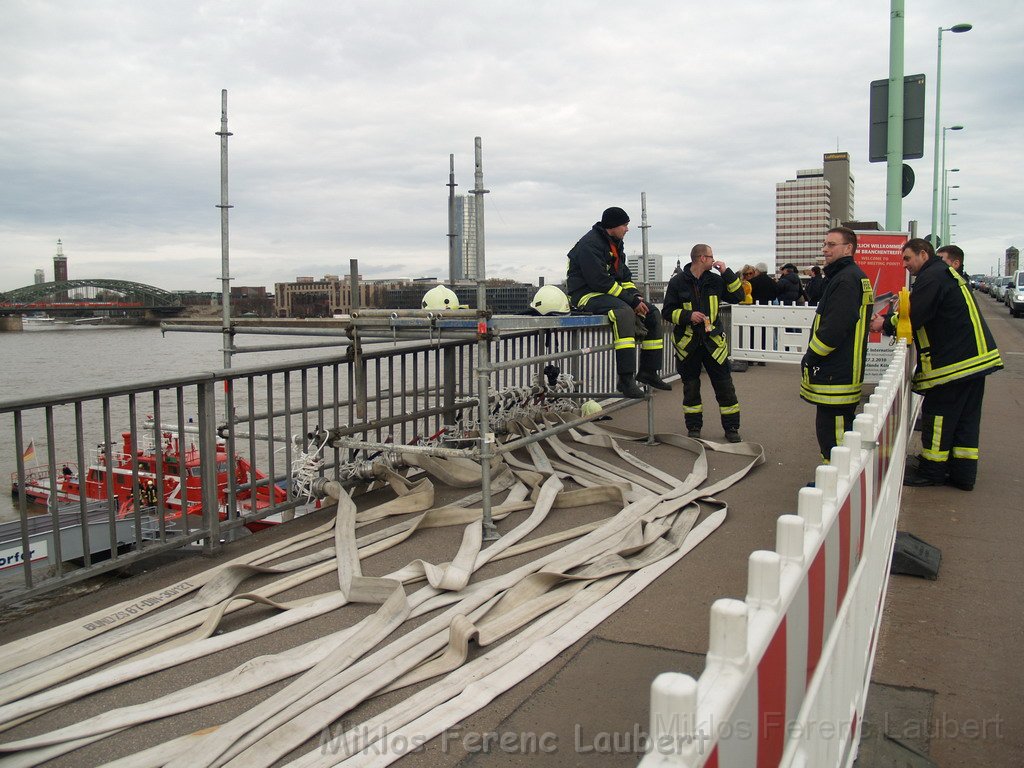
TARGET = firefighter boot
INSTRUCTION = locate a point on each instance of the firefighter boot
(627, 386)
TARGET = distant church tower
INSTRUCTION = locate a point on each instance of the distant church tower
(60, 270)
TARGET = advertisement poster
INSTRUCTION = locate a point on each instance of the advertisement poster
(880, 255)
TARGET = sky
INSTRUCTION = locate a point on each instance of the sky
(344, 116)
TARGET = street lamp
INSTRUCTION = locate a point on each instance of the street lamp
(956, 28)
(945, 211)
(944, 129)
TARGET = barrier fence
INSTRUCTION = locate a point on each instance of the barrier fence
(788, 667)
(120, 474)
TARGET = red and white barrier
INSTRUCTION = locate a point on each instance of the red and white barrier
(788, 668)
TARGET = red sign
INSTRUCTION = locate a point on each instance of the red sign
(880, 255)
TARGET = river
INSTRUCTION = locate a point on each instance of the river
(63, 358)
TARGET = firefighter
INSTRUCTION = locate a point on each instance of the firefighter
(832, 369)
(692, 299)
(598, 281)
(955, 352)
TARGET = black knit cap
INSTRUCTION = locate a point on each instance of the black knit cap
(614, 217)
(789, 266)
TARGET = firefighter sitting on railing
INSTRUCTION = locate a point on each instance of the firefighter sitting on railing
(599, 281)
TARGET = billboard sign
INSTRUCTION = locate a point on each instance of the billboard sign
(880, 255)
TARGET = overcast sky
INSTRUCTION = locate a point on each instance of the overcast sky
(344, 115)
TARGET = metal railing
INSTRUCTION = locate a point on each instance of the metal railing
(125, 473)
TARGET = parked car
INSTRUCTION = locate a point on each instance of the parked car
(983, 283)
(999, 287)
(975, 280)
(1015, 294)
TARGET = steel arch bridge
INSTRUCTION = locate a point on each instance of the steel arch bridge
(96, 295)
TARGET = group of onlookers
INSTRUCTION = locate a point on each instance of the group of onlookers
(760, 287)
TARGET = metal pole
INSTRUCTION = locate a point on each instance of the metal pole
(490, 532)
(225, 270)
(454, 273)
(644, 226)
(935, 152)
(956, 28)
(894, 149)
(358, 365)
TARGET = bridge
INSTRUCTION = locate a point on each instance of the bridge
(90, 297)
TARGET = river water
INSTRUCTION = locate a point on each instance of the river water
(60, 359)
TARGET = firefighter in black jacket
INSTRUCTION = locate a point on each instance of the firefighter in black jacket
(833, 366)
(955, 352)
(599, 281)
(692, 299)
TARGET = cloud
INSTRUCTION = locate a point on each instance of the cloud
(344, 117)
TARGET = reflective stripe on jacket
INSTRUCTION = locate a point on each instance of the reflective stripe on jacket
(953, 341)
(685, 295)
(832, 369)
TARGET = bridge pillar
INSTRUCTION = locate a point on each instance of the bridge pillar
(11, 323)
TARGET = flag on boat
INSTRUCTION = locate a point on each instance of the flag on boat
(30, 451)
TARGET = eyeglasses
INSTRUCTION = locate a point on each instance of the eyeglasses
(827, 244)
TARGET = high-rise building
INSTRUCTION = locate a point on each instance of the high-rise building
(60, 270)
(465, 237)
(807, 206)
(60, 264)
(654, 271)
(39, 278)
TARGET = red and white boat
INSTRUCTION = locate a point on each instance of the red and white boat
(182, 481)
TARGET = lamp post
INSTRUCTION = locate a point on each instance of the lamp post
(937, 232)
(946, 213)
(956, 28)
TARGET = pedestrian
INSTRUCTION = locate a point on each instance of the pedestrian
(789, 288)
(815, 286)
(832, 369)
(692, 300)
(955, 352)
(762, 285)
(745, 274)
(599, 282)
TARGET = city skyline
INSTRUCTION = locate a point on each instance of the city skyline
(344, 118)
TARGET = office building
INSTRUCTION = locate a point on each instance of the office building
(39, 278)
(654, 270)
(807, 206)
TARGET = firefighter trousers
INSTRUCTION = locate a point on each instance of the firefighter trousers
(721, 381)
(830, 423)
(950, 432)
(624, 322)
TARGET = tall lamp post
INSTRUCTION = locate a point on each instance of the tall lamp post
(956, 28)
(946, 213)
(938, 232)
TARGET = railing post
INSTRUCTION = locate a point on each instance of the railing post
(208, 464)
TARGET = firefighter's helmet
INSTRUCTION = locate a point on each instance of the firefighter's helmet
(550, 300)
(440, 297)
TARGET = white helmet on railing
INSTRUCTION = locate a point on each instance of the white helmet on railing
(440, 297)
(550, 300)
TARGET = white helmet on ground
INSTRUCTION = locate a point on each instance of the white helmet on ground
(440, 297)
(550, 300)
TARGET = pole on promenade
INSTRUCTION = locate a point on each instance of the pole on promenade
(894, 148)
(644, 226)
(956, 28)
(225, 270)
(453, 261)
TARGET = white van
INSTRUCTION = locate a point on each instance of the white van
(1015, 294)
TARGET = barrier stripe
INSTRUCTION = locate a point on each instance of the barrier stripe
(815, 611)
(771, 700)
(797, 644)
(845, 561)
